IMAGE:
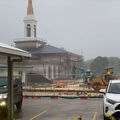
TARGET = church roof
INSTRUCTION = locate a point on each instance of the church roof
(48, 49)
(30, 8)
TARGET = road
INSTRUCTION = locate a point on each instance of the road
(61, 109)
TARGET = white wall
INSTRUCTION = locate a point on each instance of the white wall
(3, 59)
(52, 58)
(3, 72)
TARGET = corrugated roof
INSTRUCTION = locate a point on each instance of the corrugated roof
(48, 49)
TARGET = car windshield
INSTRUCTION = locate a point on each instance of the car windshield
(114, 88)
(3, 82)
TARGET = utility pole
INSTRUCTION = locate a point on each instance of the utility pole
(10, 89)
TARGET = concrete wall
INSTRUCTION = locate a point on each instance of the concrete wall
(26, 44)
(47, 70)
(54, 66)
(52, 58)
(3, 59)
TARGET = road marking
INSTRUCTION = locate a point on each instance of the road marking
(94, 117)
(38, 115)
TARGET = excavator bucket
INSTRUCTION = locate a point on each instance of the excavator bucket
(109, 68)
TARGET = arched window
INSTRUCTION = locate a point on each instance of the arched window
(28, 30)
(34, 30)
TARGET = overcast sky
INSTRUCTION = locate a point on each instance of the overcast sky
(87, 27)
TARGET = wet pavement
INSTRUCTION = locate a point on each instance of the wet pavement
(60, 109)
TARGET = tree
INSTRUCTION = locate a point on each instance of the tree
(98, 64)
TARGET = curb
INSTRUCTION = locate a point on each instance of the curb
(54, 98)
(83, 98)
(63, 97)
(36, 97)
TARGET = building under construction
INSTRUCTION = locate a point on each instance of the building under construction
(47, 60)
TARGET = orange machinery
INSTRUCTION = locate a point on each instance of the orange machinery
(102, 81)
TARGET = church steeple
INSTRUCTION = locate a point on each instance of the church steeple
(30, 39)
(30, 22)
(30, 8)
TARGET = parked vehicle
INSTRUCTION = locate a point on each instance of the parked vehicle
(111, 104)
(4, 93)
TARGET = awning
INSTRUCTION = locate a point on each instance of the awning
(6, 49)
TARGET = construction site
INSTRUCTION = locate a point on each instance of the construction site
(68, 75)
(87, 86)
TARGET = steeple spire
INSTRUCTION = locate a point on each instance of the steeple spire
(30, 8)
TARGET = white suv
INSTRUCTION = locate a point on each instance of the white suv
(111, 103)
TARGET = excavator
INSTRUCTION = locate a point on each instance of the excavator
(103, 80)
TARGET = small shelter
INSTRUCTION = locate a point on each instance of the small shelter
(12, 55)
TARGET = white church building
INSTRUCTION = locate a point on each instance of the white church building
(47, 60)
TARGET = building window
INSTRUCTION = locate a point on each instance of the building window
(34, 30)
(28, 30)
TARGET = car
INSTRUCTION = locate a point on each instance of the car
(111, 103)
(4, 93)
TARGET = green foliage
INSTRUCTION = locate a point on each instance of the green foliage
(98, 64)
(112, 61)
